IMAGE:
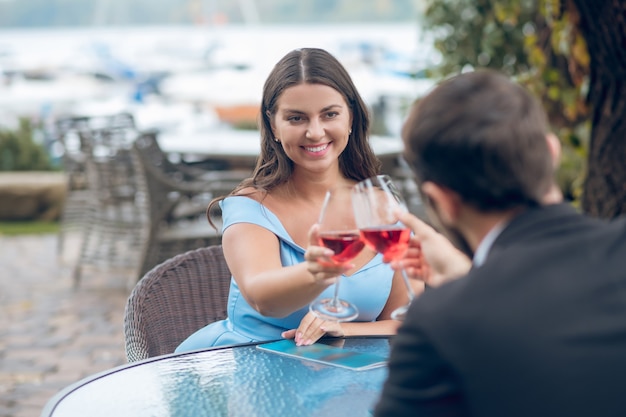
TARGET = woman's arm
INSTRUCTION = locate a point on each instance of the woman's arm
(253, 256)
(312, 328)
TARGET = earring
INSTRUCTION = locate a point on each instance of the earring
(349, 132)
(277, 140)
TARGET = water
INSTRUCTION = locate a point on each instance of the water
(48, 72)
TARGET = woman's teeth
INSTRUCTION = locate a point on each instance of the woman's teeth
(316, 148)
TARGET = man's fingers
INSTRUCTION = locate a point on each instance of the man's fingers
(419, 228)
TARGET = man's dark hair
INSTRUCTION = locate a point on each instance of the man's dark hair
(484, 137)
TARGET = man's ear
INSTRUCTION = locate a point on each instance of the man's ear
(554, 145)
(554, 194)
(446, 202)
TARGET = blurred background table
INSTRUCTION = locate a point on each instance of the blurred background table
(232, 149)
(233, 381)
(242, 147)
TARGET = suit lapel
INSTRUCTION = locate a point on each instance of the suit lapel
(531, 224)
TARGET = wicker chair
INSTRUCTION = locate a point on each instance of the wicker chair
(173, 300)
(78, 195)
(116, 225)
(177, 197)
(405, 179)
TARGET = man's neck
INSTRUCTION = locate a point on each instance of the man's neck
(475, 225)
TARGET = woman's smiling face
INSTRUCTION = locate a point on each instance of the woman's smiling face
(313, 124)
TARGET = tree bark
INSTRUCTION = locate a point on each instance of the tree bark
(603, 25)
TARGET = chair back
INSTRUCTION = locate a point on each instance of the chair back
(107, 142)
(177, 197)
(173, 300)
(78, 195)
(116, 223)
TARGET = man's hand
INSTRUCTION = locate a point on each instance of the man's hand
(431, 257)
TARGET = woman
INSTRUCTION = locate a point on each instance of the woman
(314, 135)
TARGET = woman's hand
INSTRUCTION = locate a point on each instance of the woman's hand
(311, 329)
(431, 257)
(319, 262)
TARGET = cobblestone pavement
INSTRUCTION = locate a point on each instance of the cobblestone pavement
(52, 335)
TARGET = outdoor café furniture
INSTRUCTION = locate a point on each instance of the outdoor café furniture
(114, 217)
(240, 148)
(137, 208)
(173, 300)
(72, 160)
(228, 381)
(176, 197)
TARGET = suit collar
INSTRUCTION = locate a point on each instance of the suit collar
(534, 221)
(480, 255)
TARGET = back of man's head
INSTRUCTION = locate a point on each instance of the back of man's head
(482, 136)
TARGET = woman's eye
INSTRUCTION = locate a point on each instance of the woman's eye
(331, 114)
(294, 118)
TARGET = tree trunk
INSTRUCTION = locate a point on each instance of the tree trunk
(603, 25)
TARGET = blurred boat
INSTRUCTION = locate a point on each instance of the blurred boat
(212, 74)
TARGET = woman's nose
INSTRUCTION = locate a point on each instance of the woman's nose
(315, 130)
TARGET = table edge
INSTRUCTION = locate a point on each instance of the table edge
(54, 401)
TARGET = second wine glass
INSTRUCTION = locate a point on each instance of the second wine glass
(375, 202)
(338, 232)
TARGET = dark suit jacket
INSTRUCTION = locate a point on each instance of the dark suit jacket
(538, 330)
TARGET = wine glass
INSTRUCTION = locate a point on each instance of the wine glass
(375, 202)
(338, 232)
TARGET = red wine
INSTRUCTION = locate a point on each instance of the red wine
(392, 242)
(345, 245)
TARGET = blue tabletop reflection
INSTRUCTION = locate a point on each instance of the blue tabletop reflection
(241, 381)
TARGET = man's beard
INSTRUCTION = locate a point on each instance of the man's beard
(453, 234)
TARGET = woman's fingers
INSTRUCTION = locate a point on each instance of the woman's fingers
(319, 260)
(288, 334)
(310, 330)
(314, 235)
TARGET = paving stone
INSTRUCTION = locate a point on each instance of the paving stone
(35, 399)
(27, 411)
(51, 334)
(57, 381)
(6, 411)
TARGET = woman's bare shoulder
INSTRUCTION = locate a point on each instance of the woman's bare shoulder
(252, 193)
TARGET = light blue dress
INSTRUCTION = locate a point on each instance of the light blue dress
(368, 288)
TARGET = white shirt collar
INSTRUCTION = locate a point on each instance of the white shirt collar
(480, 255)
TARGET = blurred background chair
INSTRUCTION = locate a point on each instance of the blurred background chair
(173, 300)
(78, 194)
(116, 220)
(176, 198)
(404, 178)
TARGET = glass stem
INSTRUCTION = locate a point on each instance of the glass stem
(409, 288)
(335, 301)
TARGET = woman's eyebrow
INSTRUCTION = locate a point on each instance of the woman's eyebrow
(327, 108)
(332, 106)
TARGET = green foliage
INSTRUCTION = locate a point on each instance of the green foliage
(28, 228)
(534, 41)
(18, 151)
(479, 33)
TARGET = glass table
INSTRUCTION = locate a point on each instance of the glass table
(232, 381)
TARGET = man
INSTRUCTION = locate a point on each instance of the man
(537, 327)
